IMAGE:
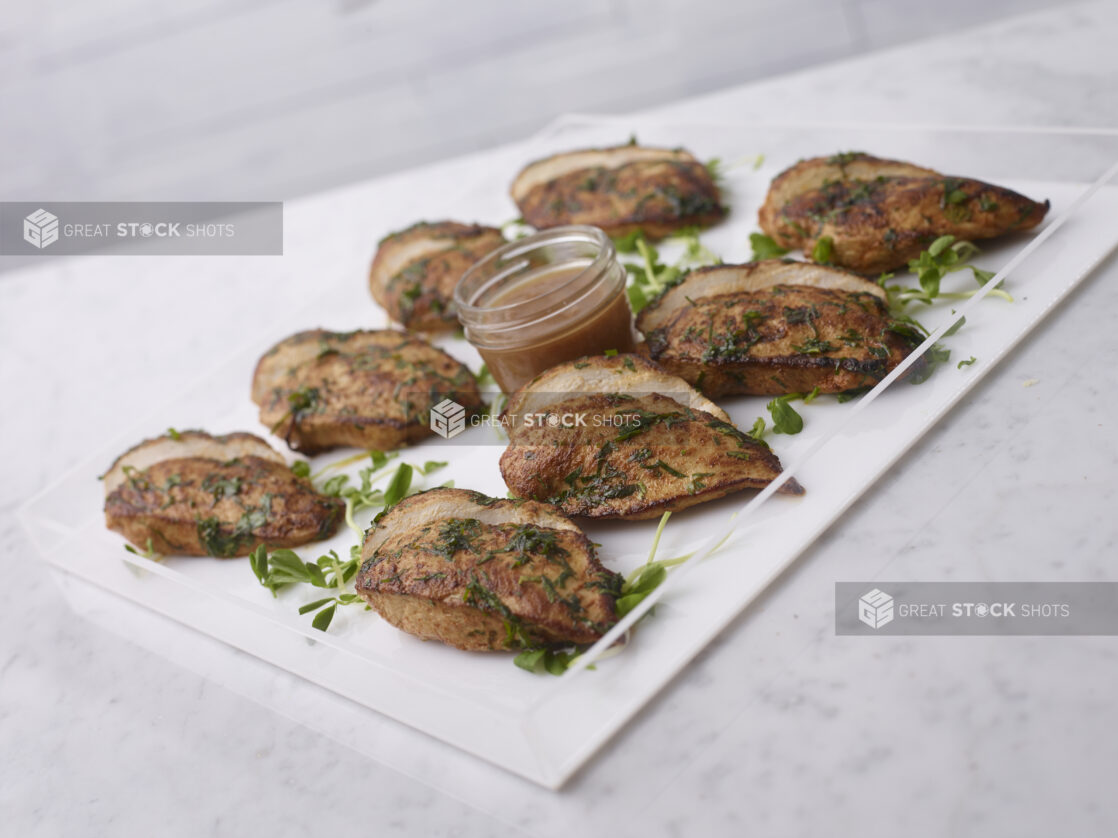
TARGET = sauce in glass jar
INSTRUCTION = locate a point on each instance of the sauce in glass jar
(545, 299)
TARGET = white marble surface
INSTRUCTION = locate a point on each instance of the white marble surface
(778, 728)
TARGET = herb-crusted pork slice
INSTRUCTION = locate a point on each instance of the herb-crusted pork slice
(484, 574)
(774, 327)
(199, 495)
(628, 374)
(368, 389)
(415, 270)
(620, 189)
(179, 444)
(618, 437)
(809, 175)
(879, 213)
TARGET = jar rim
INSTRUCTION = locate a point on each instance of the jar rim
(515, 253)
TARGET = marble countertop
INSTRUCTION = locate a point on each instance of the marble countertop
(779, 727)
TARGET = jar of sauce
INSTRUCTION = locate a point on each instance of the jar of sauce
(545, 299)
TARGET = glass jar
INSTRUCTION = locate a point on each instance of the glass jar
(548, 298)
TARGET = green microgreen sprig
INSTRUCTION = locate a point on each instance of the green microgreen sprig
(650, 277)
(765, 247)
(634, 589)
(283, 568)
(944, 256)
(147, 553)
(785, 418)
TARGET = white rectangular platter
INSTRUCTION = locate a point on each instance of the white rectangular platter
(540, 727)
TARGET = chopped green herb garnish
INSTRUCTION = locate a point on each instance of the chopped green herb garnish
(945, 255)
(785, 419)
(649, 277)
(484, 377)
(457, 535)
(814, 346)
(222, 487)
(765, 247)
(148, 552)
(283, 568)
(933, 358)
(757, 432)
(635, 588)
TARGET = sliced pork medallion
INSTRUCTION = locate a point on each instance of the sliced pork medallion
(620, 189)
(485, 574)
(415, 270)
(618, 437)
(878, 213)
(368, 389)
(774, 327)
(194, 494)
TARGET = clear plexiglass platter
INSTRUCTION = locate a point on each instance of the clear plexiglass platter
(542, 727)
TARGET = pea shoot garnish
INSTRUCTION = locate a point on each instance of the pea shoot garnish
(281, 569)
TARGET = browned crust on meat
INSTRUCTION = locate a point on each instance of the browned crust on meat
(448, 502)
(414, 272)
(760, 276)
(199, 506)
(369, 389)
(657, 193)
(808, 175)
(505, 582)
(677, 457)
(879, 214)
(776, 340)
(177, 443)
(276, 367)
(460, 626)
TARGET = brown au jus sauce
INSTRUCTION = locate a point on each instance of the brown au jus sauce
(545, 299)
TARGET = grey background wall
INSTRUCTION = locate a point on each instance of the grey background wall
(270, 99)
